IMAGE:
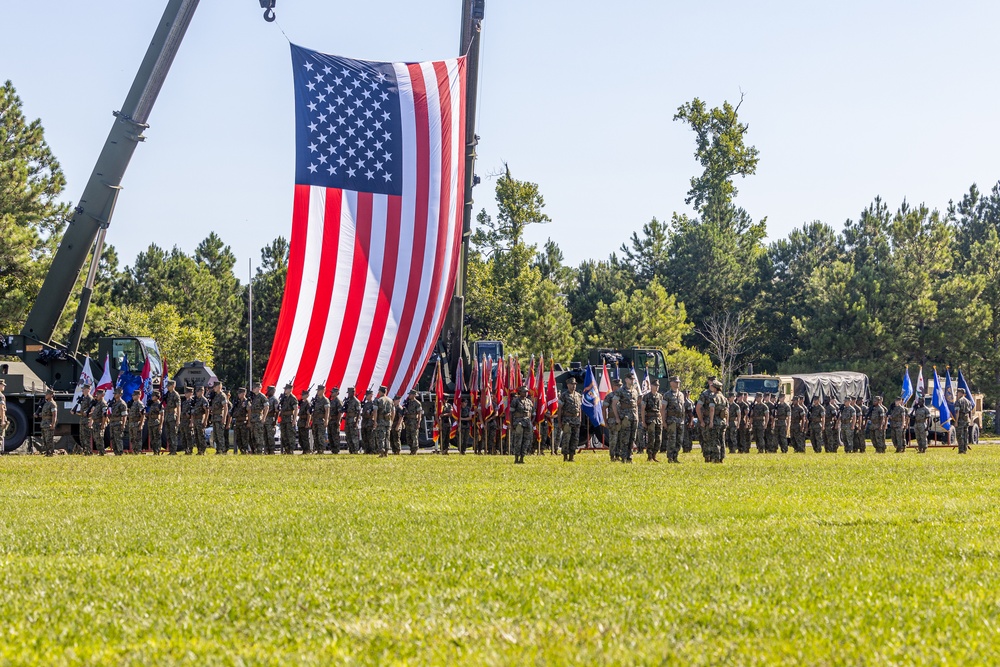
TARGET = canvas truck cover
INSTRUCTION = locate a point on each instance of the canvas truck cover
(832, 385)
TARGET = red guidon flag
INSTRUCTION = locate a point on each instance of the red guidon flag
(376, 221)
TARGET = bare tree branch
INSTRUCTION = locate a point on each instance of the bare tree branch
(726, 334)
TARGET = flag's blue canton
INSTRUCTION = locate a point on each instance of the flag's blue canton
(348, 127)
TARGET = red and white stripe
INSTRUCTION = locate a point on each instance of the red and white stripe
(370, 276)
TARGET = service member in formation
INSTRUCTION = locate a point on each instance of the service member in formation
(652, 420)
(745, 426)
(396, 430)
(492, 428)
(520, 415)
(367, 424)
(831, 424)
(610, 420)
(333, 426)
(240, 415)
(879, 421)
(3, 414)
(759, 416)
(288, 408)
(782, 413)
(713, 447)
(303, 422)
(413, 412)
(258, 414)
(186, 426)
(963, 417)
(569, 413)
(99, 420)
(626, 408)
(897, 425)
(352, 422)
(673, 419)
(384, 412)
(200, 410)
(859, 425)
(154, 422)
(228, 425)
(733, 423)
(687, 442)
(920, 417)
(136, 420)
(701, 411)
(320, 409)
(799, 424)
(848, 417)
(219, 410)
(81, 408)
(271, 421)
(770, 440)
(48, 416)
(817, 421)
(119, 413)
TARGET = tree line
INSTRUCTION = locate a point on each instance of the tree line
(895, 286)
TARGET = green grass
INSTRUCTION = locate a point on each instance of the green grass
(795, 559)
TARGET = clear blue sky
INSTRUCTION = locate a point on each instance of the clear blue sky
(845, 101)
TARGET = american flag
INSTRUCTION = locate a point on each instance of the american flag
(376, 222)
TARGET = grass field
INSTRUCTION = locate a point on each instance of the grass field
(795, 559)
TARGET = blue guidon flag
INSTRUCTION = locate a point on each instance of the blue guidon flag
(592, 400)
(376, 222)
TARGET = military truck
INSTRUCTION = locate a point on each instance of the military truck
(837, 385)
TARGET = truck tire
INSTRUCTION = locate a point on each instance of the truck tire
(975, 434)
(17, 427)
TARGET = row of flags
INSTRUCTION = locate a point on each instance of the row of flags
(942, 394)
(127, 380)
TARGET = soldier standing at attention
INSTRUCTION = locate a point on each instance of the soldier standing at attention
(611, 420)
(759, 414)
(136, 418)
(320, 418)
(271, 420)
(687, 442)
(744, 427)
(304, 422)
(733, 423)
(154, 421)
(395, 432)
(879, 420)
(920, 417)
(799, 425)
(352, 419)
(258, 413)
(367, 424)
(200, 410)
(172, 417)
(714, 433)
(240, 418)
(333, 426)
(848, 417)
(782, 413)
(649, 415)
(383, 414)
(186, 428)
(219, 410)
(82, 408)
(48, 422)
(817, 420)
(569, 412)
(770, 444)
(288, 408)
(119, 413)
(701, 411)
(3, 414)
(413, 411)
(673, 419)
(897, 421)
(831, 438)
(520, 415)
(963, 415)
(626, 408)
(859, 425)
(99, 418)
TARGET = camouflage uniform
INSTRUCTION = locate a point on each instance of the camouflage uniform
(199, 419)
(770, 440)
(287, 406)
(367, 426)
(963, 415)
(81, 408)
(877, 414)
(333, 427)
(465, 424)
(714, 434)
(49, 411)
(396, 430)
(831, 439)
(628, 411)
(743, 437)
(99, 418)
(303, 423)
(687, 442)
(384, 412)
(653, 422)
(816, 414)
(186, 426)
(569, 414)
(154, 423)
(848, 417)
(673, 429)
(520, 438)
(702, 405)
(271, 423)
(218, 409)
(782, 413)
(897, 422)
(759, 414)
(733, 424)
(320, 404)
(799, 413)
(352, 415)
(258, 432)
(119, 413)
(612, 423)
(412, 412)
(171, 420)
(241, 424)
(919, 417)
(136, 417)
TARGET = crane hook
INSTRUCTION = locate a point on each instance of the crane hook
(268, 7)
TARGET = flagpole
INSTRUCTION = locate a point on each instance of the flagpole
(250, 319)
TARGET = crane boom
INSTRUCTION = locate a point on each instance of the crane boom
(95, 208)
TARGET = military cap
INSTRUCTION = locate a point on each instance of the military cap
(397, 397)
(758, 395)
(382, 388)
(51, 392)
(270, 387)
(368, 391)
(350, 390)
(2, 381)
(522, 388)
(85, 385)
(200, 388)
(188, 388)
(241, 390)
(321, 385)
(156, 392)
(413, 392)
(716, 383)
(304, 392)
(732, 394)
(118, 390)
(335, 390)
(571, 380)
(878, 398)
(615, 381)
(675, 378)
(217, 383)
(288, 385)
(171, 383)
(136, 392)
(257, 384)
(959, 389)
